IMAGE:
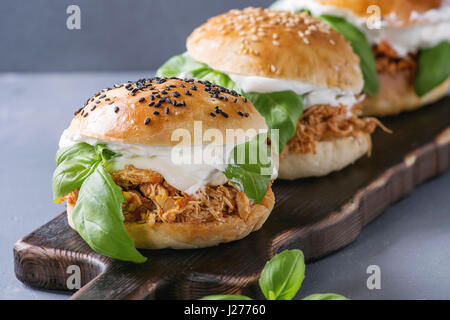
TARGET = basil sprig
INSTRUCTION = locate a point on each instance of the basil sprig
(184, 64)
(281, 110)
(361, 47)
(250, 167)
(433, 68)
(97, 215)
(281, 279)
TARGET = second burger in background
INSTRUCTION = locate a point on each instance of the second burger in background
(301, 75)
(404, 47)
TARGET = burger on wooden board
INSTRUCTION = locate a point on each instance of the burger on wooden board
(301, 75)
(404, 47)
(126, 188)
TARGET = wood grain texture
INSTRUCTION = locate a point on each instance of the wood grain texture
(317, 215)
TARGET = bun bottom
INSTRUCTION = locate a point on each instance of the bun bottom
(332, 155)
(190, 236)
(397, 95)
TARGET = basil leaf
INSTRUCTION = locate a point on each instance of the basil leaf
(361, 47)
(325, 296)
(208, 74)
(226, 297)
(250, 168)
(71, 152)
(281, 110)
(184, 65)
(98, 217)
(433, 68)
(74, 165)
(283, 275)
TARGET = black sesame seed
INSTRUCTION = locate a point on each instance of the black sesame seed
(246, 115)
(93, 108)
(102, 96)
(147, 121)
(194, 88)
(141, 99)
(240, 113)
(116, 109)
(224, 114)
(156, 113)
(158, 104)
(175, 94)
(167, 110)
(212, 114)
(245, 100)
(151, 104)
(188, 93)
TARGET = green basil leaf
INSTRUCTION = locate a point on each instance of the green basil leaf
(98, 217)
(325, 296)
(361, 47)
(226, 297)
(283, 275)
(281, 110)
(250, 168)
(433, 68)
(184, 65)
(80, 149)
(74, 165)
(208, 74)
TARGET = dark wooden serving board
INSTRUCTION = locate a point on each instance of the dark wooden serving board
(317, 216)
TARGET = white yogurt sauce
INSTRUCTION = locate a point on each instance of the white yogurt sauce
(424, 35)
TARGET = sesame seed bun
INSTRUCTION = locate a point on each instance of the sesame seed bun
(396, 13)
(397, 95)
(277, 44)
(139, 112)
(190, 235)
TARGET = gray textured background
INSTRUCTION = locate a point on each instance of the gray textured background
(114, 35)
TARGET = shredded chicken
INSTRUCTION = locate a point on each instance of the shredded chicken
(322, 122)
(388, 61)
(150, 199)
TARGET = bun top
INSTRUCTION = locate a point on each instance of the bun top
(277, 44)
(148, 111)
(396, 13)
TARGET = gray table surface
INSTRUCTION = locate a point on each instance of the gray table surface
(409, 242)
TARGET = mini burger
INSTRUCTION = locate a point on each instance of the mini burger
(301, 75)
(125, 168)
(404, 47)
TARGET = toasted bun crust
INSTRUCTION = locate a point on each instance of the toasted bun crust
(189, 235)
(121, 114)
(332, 155)
(397, 95)
(394, 12)
(277, 44)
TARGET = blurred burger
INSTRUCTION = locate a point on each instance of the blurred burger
(409, 42)
(301, 75)
(125, 187)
